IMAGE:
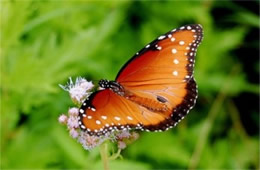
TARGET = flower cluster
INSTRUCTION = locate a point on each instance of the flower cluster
(87, 141)
(78, 93)
(125, 137)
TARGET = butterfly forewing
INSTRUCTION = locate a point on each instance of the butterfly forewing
(165, 67)
(173, 51)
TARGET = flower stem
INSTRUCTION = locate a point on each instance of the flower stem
(104, 155)
(208, 124)
(116, 155)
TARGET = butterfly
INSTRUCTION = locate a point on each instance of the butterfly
(153, 91)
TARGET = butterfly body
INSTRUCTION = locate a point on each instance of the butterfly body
(113, 86)
(153, 91)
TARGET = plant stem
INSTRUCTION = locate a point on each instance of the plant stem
(115, 155)
(207, 126)
(238, 126)
(104, 154)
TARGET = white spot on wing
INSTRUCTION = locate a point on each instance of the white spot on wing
(98, 122)
(161, 37)
(176, 61)
(175, 73)
(174, 51)
(117, 118)
(181, 42)
(129, 117)
(104, 117)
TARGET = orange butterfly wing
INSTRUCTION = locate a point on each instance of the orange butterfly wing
(165, 69)
(160, 82)
(109, 111)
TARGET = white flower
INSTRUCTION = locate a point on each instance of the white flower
(73, 122)
(121, 145)
(78, 91)
(74, 133)
(63, 119)
(73, 111)
(89, 142)
(123, 134)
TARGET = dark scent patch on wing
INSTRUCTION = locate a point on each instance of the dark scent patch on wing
(161, 99)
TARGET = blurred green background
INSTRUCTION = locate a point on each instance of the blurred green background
(45, 42)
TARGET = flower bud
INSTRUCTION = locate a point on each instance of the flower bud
(63, 119)
(121, 145)
(73, 133)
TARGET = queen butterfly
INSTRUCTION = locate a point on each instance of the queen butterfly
(153, 91)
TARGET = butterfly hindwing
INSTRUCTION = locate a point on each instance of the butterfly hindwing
(108, 111)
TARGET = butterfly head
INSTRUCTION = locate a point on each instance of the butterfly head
(112, 85)
(104, 83)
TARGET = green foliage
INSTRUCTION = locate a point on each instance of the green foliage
(45, 42)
